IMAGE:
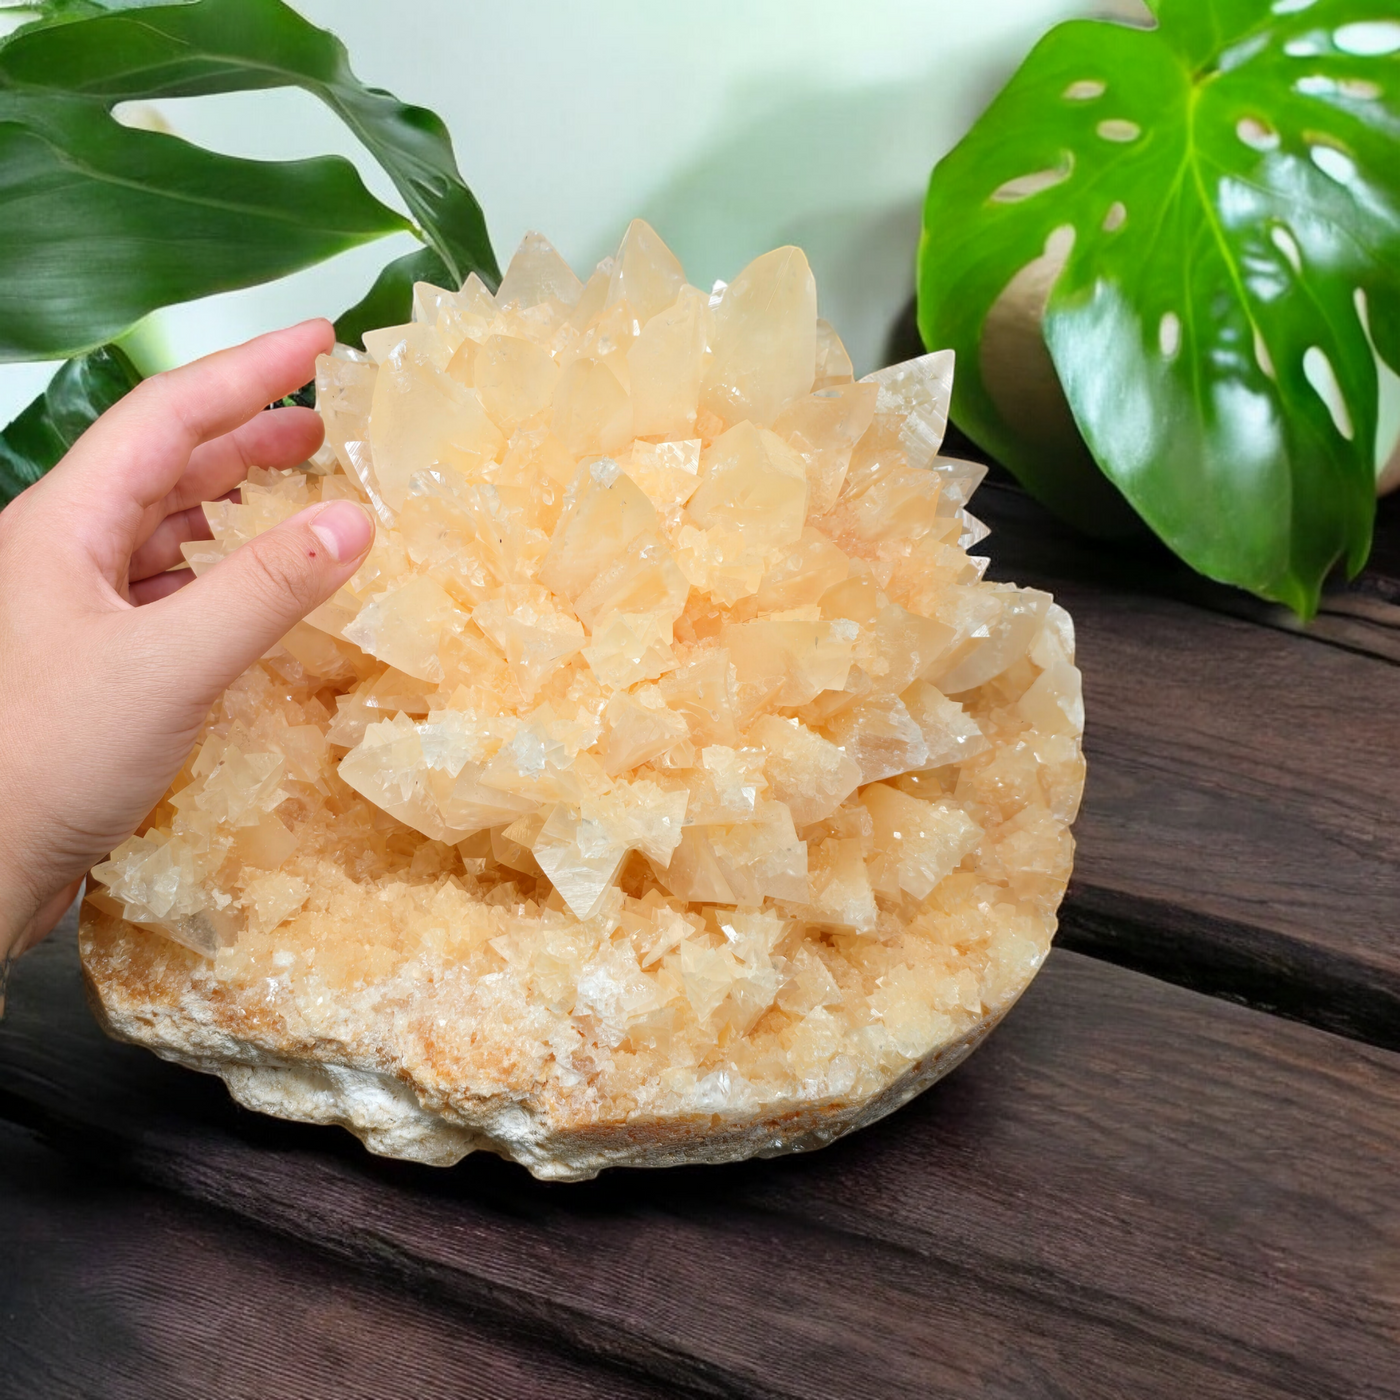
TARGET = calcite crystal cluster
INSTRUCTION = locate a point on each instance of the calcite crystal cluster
(668, 785)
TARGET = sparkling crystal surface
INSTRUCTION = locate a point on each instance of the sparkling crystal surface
(668, 753)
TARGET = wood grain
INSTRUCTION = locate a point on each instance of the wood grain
(1238, 828)
(119, 1292)
(1130, 1190)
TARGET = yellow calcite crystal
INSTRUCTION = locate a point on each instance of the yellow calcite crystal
(666, 785)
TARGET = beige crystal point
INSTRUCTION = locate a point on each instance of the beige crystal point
(666, 786)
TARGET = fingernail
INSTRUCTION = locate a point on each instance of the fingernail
(344, 529)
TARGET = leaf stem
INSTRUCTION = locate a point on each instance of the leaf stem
(147, 346)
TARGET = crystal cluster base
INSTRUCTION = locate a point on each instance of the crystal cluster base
(668, 785)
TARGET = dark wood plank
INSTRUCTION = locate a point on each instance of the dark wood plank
(118, 1292)
(1238, 829)
(1131, 1190)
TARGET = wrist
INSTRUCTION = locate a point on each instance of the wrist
(19, 896)
(15, 919)
(20, 932)
(19, 904)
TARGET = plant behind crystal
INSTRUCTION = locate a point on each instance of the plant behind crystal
(101, 224)
(1194, 231)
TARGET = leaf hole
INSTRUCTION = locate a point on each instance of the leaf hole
(1317, 369)
(1116, 217)
(1060, 244)
(1291, 7)
(1119, 129)
(1388, 417)
(1359, 89)
(142, 116)
(1335, 164)
(1287, 245)
(1169, 335)
(273, 124)
(1085, 90)
(1353, 89)
(1240, 54)
(1262, 358)
(1310, 46)
(1257, 135)
(1038, 181)
(1369, 38)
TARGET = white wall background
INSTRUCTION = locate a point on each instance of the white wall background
(732, 125)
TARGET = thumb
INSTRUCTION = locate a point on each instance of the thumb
(225, 620)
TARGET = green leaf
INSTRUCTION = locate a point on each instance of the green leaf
(100, 225)
(214, 46)
(78, 394)
(1203, 202)
(47, 11)
(390, 301)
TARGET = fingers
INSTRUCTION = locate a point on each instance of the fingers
(44, 919)
(284, 437)
(218, 626)
(136, 453)
(158, 586)
(161, 550)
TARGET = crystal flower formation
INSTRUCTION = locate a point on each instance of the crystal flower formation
(667, 785)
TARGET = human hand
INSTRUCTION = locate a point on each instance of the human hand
(108, 663)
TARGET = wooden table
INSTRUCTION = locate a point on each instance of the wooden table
(1174, 1171)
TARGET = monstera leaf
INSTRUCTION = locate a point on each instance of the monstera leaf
(390, 300)
(1199, 223)
(101, 224)
(126, 52)
(80, 392)
(109, 224)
